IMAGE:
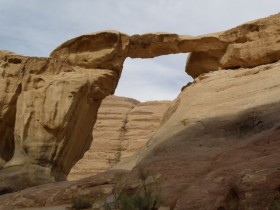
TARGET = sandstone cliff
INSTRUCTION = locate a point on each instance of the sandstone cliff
(49, 105)
(48, 109)
(218, 146)
(122, 128)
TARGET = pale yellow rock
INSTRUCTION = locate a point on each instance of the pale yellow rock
(142, 122)
(122, 128)
(101, 50)
(221, 93)
(105, 150)
(11, 67)
(248, 45)
(51, 107)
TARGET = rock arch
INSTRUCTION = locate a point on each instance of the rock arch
(55, 99)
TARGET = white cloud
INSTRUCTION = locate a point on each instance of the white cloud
(34, 27)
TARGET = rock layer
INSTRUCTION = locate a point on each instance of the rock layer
(122, 128)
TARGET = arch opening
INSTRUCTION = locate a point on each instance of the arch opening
(159, 78)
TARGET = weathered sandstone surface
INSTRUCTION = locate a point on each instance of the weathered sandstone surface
(220, 149)
(48, 109)
(218, 144)
(122, 128)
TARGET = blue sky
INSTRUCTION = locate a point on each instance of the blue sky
(36, 27)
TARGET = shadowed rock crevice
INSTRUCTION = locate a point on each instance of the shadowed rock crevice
(10, 89)
(123, 131)
(232, 199)
(7, 128)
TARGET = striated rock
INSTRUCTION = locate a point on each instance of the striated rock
(122, 128)
(142, 122)
(106, 148)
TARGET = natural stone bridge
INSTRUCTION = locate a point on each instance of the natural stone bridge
(48, 106)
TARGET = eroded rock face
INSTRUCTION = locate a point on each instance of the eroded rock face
(251, 44)
(48, 109)
(122, 128)
(10, 88)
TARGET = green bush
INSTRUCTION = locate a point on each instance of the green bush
(82, 202)
(144, 198)
(275, 204)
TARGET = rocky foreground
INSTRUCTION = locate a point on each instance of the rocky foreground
(217, 145)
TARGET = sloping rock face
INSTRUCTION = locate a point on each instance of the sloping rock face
(219, 147)
(122, 128)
